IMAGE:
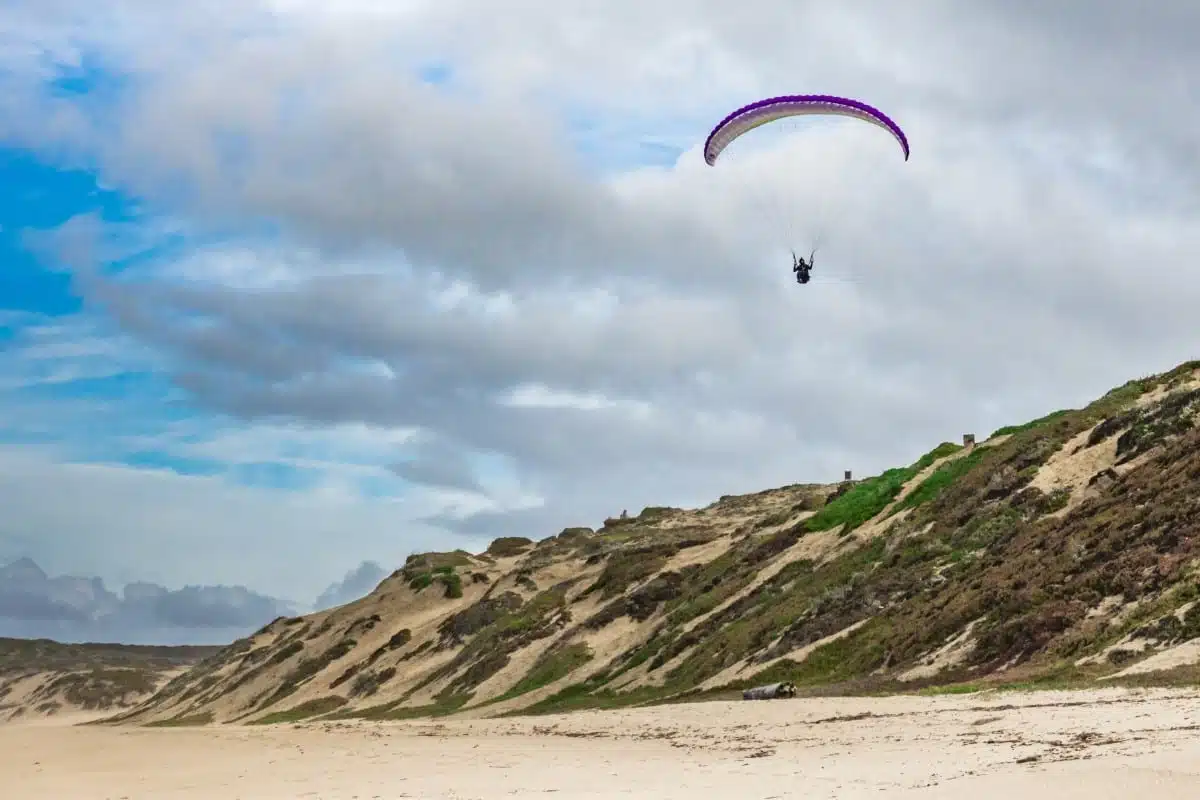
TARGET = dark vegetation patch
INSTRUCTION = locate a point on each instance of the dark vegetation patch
(360, 627)
(641, 604)
(200, 679)
(325, 627)
(453, 585)
(422, 570)
(796, 607)
(574, 534)
(718, 580)
(457, 628)
(420, 581)
(1173, 628)
(395, 642)
(284, 653)
(307, 709)
(554, 665)
(628, 566)
(428, 562)
(1140, 430)
(307, 669)
(508, 546)
(294, 634)
(444, 704)
(563, 544)
(99, 688)
(492, 645)
(451, 581)
(44, 655)
(368, 683)
(110, 676)
(418, 650)
(589, 694)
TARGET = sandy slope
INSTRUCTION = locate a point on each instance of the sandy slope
(1094, 745)
(407, 645)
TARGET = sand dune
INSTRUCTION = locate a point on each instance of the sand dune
(1095, 745)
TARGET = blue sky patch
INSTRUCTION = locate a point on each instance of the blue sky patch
(90, 77)
(436, 74)
(40, 197)
(149, 459)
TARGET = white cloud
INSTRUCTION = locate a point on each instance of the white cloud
(199, 530)
(536, 396)
(348, 446)
(44, 352)
(446, 262)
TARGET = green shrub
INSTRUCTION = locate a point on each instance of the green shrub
(865, 499)
(453, 584)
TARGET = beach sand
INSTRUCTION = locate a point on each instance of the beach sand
(1062, 745)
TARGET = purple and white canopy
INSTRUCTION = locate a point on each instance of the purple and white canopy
(749, 117)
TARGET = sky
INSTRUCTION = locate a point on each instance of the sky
(288, 286)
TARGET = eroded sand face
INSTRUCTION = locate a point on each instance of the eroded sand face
(1095, 745)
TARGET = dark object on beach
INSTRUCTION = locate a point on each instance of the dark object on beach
(772, 691)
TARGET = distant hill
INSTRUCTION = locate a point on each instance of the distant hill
(1058, 552)
(42, 678)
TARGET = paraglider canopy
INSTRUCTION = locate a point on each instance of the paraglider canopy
(776, 109)
(751, 116)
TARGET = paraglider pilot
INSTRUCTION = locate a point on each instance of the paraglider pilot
(802, 268)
